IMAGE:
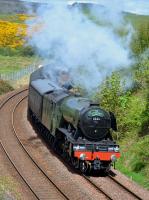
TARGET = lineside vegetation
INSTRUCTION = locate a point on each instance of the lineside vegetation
(129, 100)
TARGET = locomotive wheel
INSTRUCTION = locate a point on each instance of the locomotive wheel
(107, 170)
(51, 140)
(56, 145)
(75, 162)
(83, 167)
(28, 114)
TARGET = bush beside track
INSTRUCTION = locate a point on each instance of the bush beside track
(8, 189)
(5, 87)
(131, 105)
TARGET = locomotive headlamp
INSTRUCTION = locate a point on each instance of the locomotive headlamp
(116, 149)
(113, 158)
(82, 156)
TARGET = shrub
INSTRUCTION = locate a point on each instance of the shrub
(140, 40)
(12, 34)
(141, 153)
(112, 98)
(27, 51)
(109, 93)
(7, 51)
(19, 51)
(8, 189)
(5, 87)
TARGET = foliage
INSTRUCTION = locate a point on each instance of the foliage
(19, 51)
(141, 150)
(23, 17)
(12, 34)
(8, 189)
(7, 51)
(26, 51)
(109, 93)
(132, 111)
(141, 73)
(136, 20)
(141, 77)
(17, 18)
(112, 98)
(135, 176)
(140, 40)
(145, 115)
(4, 87)
(14, 63)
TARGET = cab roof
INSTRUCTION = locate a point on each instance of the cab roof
(44, 86)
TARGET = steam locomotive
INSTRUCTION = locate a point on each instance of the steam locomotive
(76, 128)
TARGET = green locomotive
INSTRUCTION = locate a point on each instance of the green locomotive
(76, 127)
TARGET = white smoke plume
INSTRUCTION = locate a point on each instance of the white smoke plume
(84, 43)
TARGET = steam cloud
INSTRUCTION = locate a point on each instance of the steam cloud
(85, 43)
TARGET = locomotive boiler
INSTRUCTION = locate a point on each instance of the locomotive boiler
(77, 128)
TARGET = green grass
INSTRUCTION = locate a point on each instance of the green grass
(5, 87)
(139, 178)
(134, 161)
(8, 188)
(10, 64)
(131, 110)
(10, 18)
(131, 162)
(137, 20)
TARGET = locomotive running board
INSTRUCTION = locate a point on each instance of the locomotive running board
(85, 141)
(65, 132)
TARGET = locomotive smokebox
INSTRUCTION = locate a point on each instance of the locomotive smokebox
(95, 123)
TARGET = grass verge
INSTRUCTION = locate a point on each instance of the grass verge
(5, 87)
(8, 189)
(137, 177)
(10, 64)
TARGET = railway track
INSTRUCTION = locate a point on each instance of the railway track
(7, 155)
(35, 179)
(119, 191)
(102, 190)
(124, 187)
(97, 187)
(28, 152)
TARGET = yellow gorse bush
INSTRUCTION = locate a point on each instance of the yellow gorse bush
(23, 17)
(12, 34)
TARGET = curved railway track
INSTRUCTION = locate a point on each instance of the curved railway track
(28, 153)
(35, 179)
(131, 194)
(125, 188)
(118, 188)
(7, 155)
